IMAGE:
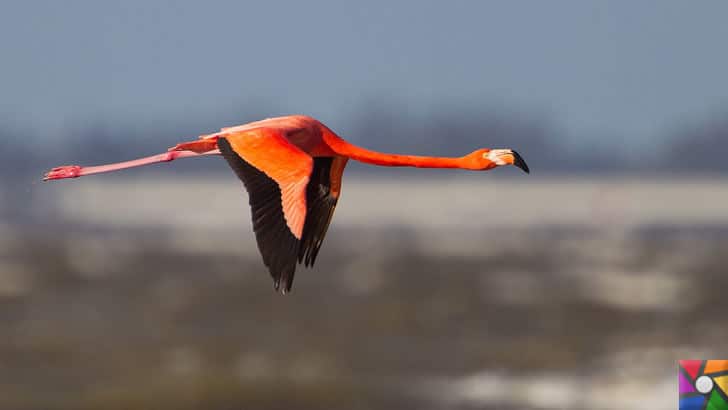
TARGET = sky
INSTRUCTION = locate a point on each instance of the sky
(625, 68)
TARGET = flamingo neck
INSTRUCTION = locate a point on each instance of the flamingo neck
(343, 148)
(396, 160)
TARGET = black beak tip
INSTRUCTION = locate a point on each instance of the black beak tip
(519, 162)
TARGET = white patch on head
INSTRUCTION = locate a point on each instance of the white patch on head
(494, 156)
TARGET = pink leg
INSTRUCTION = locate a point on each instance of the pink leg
(75, 171)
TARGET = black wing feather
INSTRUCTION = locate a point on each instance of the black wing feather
(277, 244)
(320, 206)
(275, 240)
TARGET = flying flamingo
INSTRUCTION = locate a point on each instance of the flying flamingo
(292, 167)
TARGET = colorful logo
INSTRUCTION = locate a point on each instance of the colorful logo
(703, 384)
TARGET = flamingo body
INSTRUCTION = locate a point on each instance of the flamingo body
(292, 168)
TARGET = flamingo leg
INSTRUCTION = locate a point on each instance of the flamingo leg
(75, 171)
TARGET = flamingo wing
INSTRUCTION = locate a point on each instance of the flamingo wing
(276, 175)
(321, 198)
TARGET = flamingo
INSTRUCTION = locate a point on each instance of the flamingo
(291, 167)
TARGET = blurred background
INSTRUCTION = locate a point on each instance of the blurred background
(575, 287)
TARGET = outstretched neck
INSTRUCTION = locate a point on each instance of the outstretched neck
(343, 148)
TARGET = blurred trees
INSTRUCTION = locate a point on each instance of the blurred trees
(698, 147)
(449, 130)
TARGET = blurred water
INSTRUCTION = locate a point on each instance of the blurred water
(461, 201)
(451, 293)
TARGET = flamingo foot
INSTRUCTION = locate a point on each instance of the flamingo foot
(75, 171)
(66, 171)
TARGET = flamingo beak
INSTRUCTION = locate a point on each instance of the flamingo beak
(507, 157)
(519, 162)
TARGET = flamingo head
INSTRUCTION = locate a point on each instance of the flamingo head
(485, 159)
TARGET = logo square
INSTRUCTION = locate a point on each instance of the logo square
(703, 384)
